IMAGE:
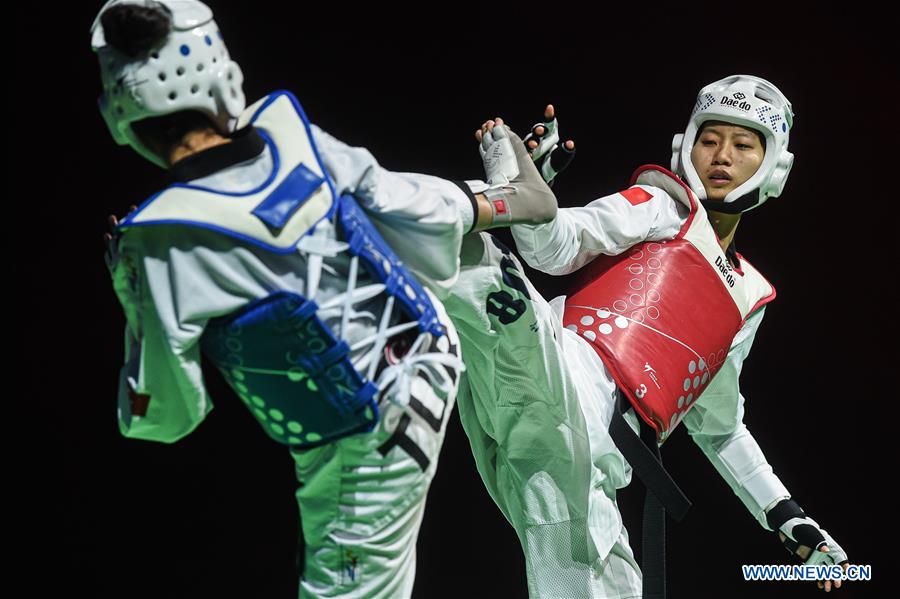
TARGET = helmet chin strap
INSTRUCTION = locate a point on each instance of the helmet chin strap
(742, 204)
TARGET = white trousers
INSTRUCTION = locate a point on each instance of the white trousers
(553, 471)
(362, 498)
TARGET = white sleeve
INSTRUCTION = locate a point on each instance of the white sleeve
(609, 225)
(161, 393)
(423, 218)
(716, 425)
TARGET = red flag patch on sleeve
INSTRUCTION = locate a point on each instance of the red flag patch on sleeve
(636, 196)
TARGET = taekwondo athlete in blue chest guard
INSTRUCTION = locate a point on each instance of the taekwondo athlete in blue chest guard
(261, 258)
(290, 368)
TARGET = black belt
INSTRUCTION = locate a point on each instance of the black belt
(663, 495)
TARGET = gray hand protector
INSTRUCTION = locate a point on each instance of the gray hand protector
(800, 529)
(518, 193)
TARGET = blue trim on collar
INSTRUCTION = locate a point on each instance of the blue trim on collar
(276, 166)
(296, 103)
(228, 232)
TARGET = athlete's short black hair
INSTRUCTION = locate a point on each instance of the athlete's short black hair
(136, 29)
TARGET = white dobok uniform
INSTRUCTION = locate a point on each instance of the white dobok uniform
(361, 501)
(536, 400)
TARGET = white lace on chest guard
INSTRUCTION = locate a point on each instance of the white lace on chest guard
(280, 216)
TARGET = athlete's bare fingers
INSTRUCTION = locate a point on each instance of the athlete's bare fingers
(837, 583)
(570, 145)
(549, 112)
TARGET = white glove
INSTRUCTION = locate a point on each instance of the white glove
(498, 156)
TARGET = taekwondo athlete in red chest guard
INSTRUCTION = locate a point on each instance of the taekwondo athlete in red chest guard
(670, 308)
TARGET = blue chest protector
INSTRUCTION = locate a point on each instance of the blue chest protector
(290, 369)
(286, 365)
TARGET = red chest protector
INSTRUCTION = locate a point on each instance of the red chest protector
(662, 315)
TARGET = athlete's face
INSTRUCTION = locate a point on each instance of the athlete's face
(725, 156)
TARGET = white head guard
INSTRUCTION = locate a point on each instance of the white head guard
(190, 70)
(749, 102)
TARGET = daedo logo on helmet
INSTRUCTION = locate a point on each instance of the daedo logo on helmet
(725, 269)
(737, 102)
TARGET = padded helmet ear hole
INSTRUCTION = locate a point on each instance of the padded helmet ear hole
(780, 174)
(233, 101)
(786, 159)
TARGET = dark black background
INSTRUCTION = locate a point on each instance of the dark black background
(214, 515)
